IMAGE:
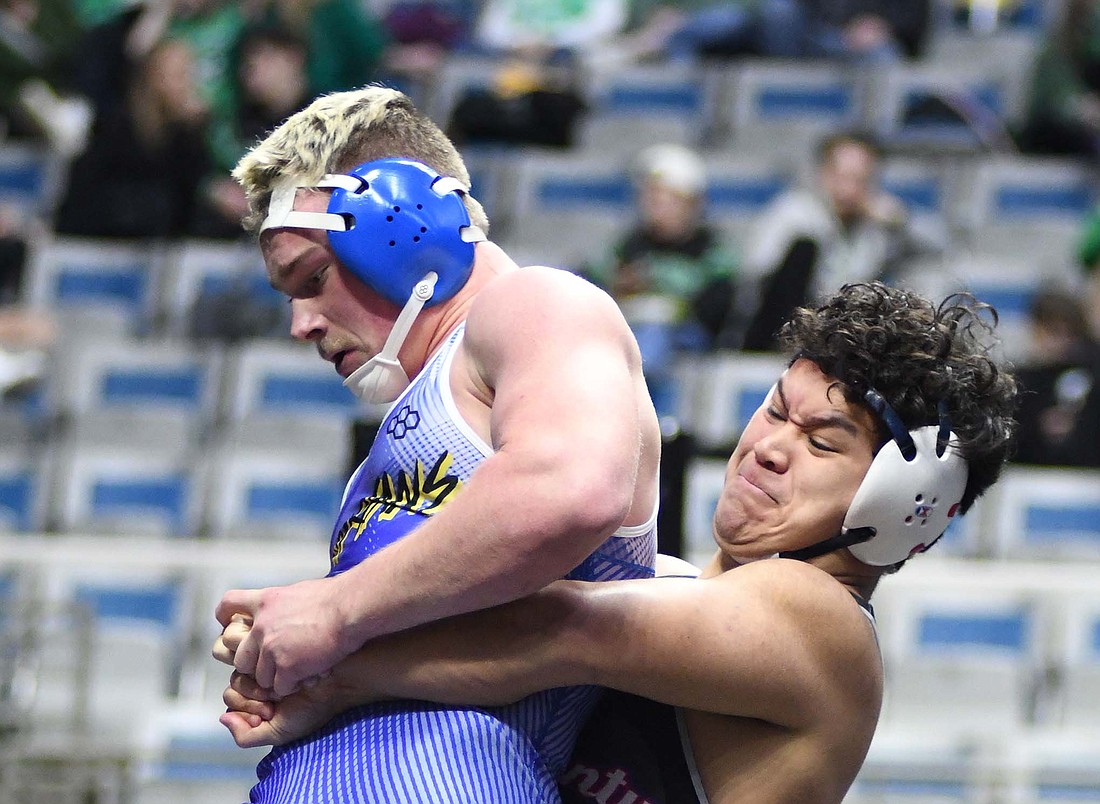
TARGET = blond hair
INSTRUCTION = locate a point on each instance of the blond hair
(339, 131)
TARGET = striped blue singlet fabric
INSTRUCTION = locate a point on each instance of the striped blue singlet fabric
(410, 752)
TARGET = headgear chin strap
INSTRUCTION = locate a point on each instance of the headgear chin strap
(908, 497)
(403, 230)
(382, 378)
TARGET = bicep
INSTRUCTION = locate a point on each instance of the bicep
(701, 644)
(564, 371)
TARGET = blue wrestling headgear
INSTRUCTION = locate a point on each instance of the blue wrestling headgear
(403, 230)
(907, 498)
(391, 221)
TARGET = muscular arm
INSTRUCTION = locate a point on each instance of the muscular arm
(568, 421)
(753, 642)
(777, 640)
(566, 428)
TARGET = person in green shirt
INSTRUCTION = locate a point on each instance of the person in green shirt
(671, 263)
(670, 273)
(1062, 113)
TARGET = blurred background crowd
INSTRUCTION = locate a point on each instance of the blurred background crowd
(711, 163)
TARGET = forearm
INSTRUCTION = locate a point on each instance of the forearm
(627, 635)
(485, 658)
(515, 527)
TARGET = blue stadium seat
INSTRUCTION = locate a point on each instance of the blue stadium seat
(126, 489)
(202, 270)
(1028, 208)
(113, 284)
(29, 178)
(23, 483)
(935, 109)
(780, 107)
(109, 647)
(735, 386)
(269, 493)
(1047, 513)
(283, 380)
(960, 665)
(133, 376)
(568, 209)
(640, 105)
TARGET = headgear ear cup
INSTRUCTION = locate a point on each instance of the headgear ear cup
(908, 503)
(404, 221)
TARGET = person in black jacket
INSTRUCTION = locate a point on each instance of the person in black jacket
(146, 157)
(1059, 411)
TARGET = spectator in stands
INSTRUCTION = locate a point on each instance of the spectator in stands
(36, 40)
(684, 30)
(545, 52)
(670, 273)
(421, 34)
(345, 44)
(286, 52)
(1059, 410)
(26, 334)
(142, 168)
(271, 84)
(865, 30)
(1062, 114)
(811, 240)
(1088, 257)
(672, 257)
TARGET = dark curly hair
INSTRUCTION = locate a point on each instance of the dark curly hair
(916, 355)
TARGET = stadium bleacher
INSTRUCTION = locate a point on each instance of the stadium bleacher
(151, 456)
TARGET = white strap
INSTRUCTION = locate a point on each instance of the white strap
(420, 296)
(449, 184)
(282, 214)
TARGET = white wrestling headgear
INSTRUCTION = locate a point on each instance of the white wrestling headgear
(908, 497)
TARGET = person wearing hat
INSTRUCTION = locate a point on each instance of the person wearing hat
(670, 272)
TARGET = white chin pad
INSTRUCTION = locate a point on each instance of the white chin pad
(378, 381)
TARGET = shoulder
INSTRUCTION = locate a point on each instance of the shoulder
(540, 283)
(797, 585)
(827, 634)
(544, 300)
(807, 602)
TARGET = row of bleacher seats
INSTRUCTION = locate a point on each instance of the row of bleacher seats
(736, 104)
(997, 226)
(169, 437)
(773, 111)
(992, 685)
(106, 679)
(992, 667)
(166, 437)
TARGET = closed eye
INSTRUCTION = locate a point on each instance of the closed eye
(773, 412)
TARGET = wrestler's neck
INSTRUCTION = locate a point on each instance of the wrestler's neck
(435, 324)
